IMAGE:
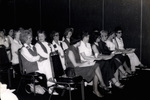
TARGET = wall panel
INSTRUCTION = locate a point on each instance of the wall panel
(86, 15)
(124, 13)
(146, 33)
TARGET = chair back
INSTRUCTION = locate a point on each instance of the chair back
(22, 71)
(4, 61)
(57, 66)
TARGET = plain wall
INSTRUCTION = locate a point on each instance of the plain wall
(83, 15)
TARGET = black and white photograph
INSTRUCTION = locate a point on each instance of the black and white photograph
(74, 49)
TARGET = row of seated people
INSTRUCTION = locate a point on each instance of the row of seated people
(102, 61)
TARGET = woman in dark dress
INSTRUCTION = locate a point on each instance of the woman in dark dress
(119, 58)
(88, 70)
(111, 64)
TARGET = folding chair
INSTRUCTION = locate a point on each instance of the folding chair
(27, 77)
(62, 79)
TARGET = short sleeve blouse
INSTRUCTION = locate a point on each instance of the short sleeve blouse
(85, 48)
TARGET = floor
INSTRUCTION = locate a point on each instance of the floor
(136, 88)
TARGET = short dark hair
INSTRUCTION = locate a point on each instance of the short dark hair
(118, 28)
(67, 30)
(84, 34)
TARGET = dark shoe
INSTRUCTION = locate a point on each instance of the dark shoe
(141, 67)
(118, 85)
(104, 88)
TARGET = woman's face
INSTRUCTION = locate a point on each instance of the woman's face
(29, 39)
(41, 37)
(56, 37)
(112, 36)
(17, 35)
(98, 39)
(119, 33)
(69, 34)
(104, 36)
(87, 38)
(11, 32)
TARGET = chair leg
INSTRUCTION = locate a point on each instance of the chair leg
(34, 86)
(52, 93)
(9, 77)
(70, 92)
(82, 90)
(19, 85)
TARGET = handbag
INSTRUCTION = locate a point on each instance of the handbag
(70, 72)
(38, 89)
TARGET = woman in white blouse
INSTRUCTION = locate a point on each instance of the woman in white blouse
(57, 46)
(134, 60)
(85, 49)
(15, 45)
(44, 51)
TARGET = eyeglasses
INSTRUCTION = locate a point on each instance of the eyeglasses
(119, 32)
(56, 35)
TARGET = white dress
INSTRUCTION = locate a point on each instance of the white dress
(134, 60)
(44, 66)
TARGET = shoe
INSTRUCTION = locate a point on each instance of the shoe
(50, 92)
(98, 95)
(50, 83)
(134, 73)
(141, 67)
(118, 84)
(104, 88)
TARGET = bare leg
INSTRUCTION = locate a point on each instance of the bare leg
(127, 67)
(99, 76)
(95, 87)
(116, 75)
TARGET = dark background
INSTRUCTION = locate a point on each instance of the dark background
(83, 15)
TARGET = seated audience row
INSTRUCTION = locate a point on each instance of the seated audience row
(103, 60)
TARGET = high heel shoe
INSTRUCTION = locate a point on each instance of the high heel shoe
(117, 84)
(98, 94)
(104, 88)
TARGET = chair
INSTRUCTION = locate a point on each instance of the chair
(5, 64)
(62, 79)
(27, 77)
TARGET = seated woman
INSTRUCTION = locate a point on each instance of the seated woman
(112, 64)
(103, 48)
(30, 58)
(86, 54)
(4, 41)
(88, 70)
(57, 46)
(134, 60)
(43, 49)
(67, 38)
(123, 57)
(15, 45)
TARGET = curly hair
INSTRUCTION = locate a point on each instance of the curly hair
(24, 35)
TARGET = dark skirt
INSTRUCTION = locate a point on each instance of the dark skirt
(87, 73)
(107, 70)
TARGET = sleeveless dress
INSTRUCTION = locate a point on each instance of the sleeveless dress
(88, 72)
